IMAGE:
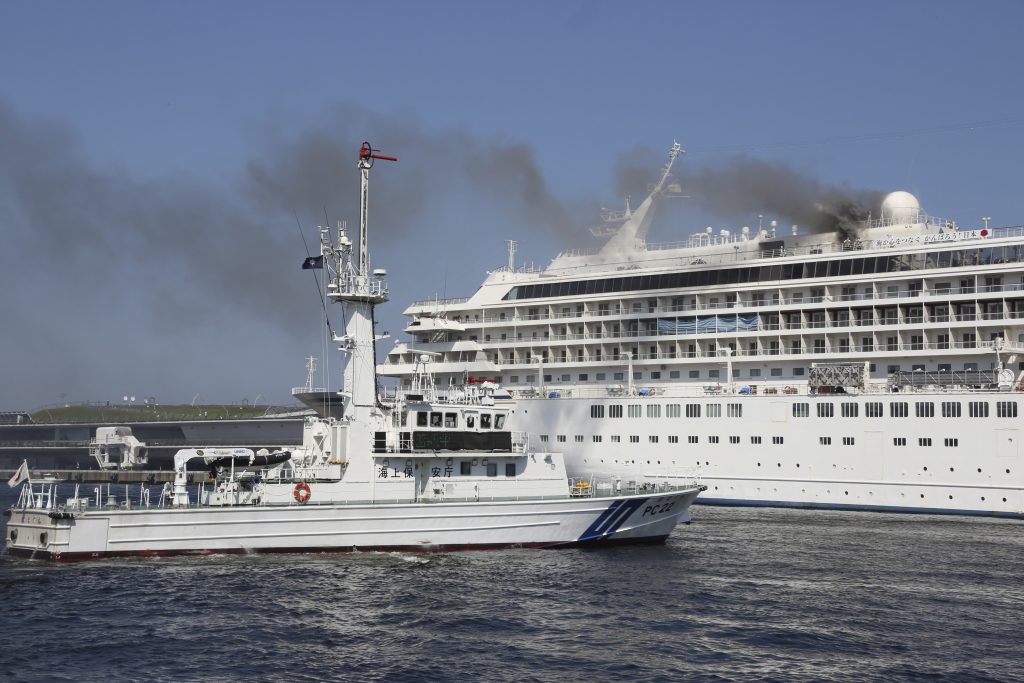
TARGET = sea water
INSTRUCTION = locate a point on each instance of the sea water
(739, 595)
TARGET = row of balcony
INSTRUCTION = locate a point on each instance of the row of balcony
(697, 306)
(724, 354)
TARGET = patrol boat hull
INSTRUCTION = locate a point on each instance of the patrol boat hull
(92, 534)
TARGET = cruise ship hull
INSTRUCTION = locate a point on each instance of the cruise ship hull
(776, 451)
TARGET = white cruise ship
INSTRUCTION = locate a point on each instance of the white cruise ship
(878, 368)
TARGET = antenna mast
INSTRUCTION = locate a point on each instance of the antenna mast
(366, 156)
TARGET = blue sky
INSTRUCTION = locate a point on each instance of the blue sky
(155, 153)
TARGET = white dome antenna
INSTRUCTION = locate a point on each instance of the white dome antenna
(901, 207)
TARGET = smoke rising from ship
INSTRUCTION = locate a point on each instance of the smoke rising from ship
(741, 188)
(118, 276)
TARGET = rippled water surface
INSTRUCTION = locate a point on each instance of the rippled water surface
(740, 594)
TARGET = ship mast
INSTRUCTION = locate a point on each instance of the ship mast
(359, 291)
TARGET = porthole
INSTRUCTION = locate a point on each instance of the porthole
(846, 493)
(950, 469)
(798, 464)
(951, 497)
(1004, 500)
(983, 497)
(779, 464)
(925, 469)
(14, 535)
(979, 470)
(922, 495)
(43, 538)
(1007, 471)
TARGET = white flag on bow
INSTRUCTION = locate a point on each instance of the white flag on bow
(20, 475)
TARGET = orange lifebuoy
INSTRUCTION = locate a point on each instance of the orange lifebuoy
(301, 492)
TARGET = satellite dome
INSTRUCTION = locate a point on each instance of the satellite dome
(901, 207)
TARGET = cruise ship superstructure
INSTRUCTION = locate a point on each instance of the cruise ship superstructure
(877, 367)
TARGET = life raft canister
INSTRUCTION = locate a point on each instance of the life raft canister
(301, 492)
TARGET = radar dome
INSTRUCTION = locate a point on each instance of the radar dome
(901, 207)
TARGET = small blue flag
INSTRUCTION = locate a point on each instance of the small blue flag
(313, 262)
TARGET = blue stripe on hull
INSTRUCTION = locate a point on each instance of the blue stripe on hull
(611, 519)
(735, 502)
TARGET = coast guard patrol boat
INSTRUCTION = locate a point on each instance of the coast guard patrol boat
(420, 473)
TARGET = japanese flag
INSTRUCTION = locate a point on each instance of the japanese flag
(19, 476)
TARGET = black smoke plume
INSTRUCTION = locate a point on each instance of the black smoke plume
(741, 188)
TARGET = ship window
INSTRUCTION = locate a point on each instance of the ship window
(826, 410)
(634, 439)
(466, 468)
(596, 411)
(615, 410)
(694, 374)
(561, 438)
(673, 439)
(712, 439)
(673, 410)
(924, 441)
(654, 410)
(847, 440)
(492, 469)
(898, 409)
(873, 409)
(600, 377)
(499, 421)
(899, 441)
(435, 420)
(825, 440)
(421, 419)
(485, 420)
(652, 439)
(673, 374)
(691, 439)
(924, 409)
(634, 410)
(950, 409)
(801, 410)
(579, 438)
(617, 376)
(510, 469)
(755, 440)
(848, 409)
(471, 421)
(616, 438)
(544, 438)
(734, 439)
(692, 410)
(597, 438)
(977, 409)
(1006, 408)
(735, 410)
(777, 440)
(450, 420)
(952, 443)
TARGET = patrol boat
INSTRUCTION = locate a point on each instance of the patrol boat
(421, 472)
